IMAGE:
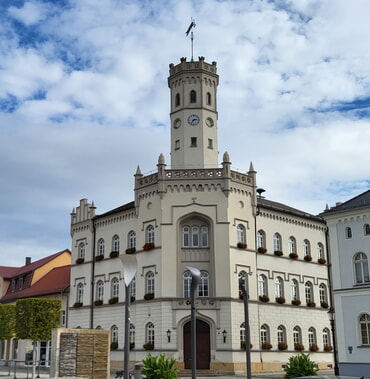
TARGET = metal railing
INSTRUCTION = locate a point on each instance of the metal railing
(22, 369)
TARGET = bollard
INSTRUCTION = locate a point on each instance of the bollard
(137, 370)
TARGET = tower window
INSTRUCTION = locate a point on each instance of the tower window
(193, 96)
(177, 144)
(177, 100)
(209, 99)
(193, 141)
(210, 143)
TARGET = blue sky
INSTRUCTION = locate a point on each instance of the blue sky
(84, 100)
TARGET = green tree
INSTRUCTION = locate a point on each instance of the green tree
(7, 321)
(300, 365)
(159, 367)
(35, 319)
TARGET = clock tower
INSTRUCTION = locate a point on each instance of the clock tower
(193, 87)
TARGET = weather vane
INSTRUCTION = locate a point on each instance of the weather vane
(191, 26)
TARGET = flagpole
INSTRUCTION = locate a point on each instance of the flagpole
(191, 26)
(192, 46)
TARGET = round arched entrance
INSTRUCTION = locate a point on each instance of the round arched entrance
(203, 345)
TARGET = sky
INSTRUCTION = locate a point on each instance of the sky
(84, 100)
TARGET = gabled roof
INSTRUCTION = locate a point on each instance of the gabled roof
(279, 207)
(7, 272)
(122, 208)
(55, 281)
(360, 201)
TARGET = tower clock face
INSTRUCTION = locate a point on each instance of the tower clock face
(193, 119)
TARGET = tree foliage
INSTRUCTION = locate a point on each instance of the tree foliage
(7, 321)
(300, 365)
(159, 367)
(35, 318)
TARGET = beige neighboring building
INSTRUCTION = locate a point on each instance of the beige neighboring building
(202, 214)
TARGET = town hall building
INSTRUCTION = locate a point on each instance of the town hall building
(197, 212)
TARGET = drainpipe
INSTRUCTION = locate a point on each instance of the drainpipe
(92, 277)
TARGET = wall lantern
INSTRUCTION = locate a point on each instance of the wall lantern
(224, 333)
(168, 335)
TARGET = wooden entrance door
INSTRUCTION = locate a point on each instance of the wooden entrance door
(203, 345)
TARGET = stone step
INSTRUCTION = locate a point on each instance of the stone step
(187, 373)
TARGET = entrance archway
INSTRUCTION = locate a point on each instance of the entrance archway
(203, 345)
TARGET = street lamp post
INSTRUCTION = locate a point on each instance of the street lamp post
(247, 330)
(195, 279)
(129, 270)
(331, 314)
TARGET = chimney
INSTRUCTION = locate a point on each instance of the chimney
(28, 260)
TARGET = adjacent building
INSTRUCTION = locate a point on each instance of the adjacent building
(349, 241)
(200, 213)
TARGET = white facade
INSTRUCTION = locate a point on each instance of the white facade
(349, 241)
(206, 216)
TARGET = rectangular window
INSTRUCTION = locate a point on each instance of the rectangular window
(210, 143)
(177, 144)
(193, 142)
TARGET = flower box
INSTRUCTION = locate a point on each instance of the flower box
(114, 254)
(311, 304)
(314, 348)
(328, 348)
(262, 250)
(132, 299)
(241, 245)
(282, 346)
(243, 346)
(77, 304)
(149, 296)
(114, 345)
(278, 253)
(113, 300)
(130, 250)
(324, 304)
(296, 302)
(97, 303)
(266, 346)
(148, 246)
(298, 347)
(280, 300)
(99, 258)
(293, 255)
(322, 261)
(148, 346)
(264, 298)
(80, 260)
(307, 258)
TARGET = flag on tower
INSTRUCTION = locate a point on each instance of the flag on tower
(191, 26)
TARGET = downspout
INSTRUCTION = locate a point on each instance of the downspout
(92, 277)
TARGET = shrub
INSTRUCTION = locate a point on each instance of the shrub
(159, 367)
(300, 365)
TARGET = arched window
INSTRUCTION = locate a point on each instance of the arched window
(265, 334)
(150, 234)
(114, 334)
(150, 284)
(101, 247)
(323, 295)
(185, 236)
(186, 283)
(279, 287)
(326, 338)
(262, 285)
(133, 289)
(242, 335)
(177, 100)
(81, 250)
(132, 336)
(306, 247)
(320, 251)
(99, 290)
(240, 234)
(365, 329)
(149, 333)
(308, 288)
(114, 287)
(281, 334)
(203, 284)
(261, 241)
(292, 245)
(195, 236)
(366, 229)
(204, 236)
(297, 335)
(277, 242)
(348, 232)
(193, 96)
(294, 289)
(312, 337)
(115, 243)
(80, 293)
(361, 268)
(209, 98)
(131, 240)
